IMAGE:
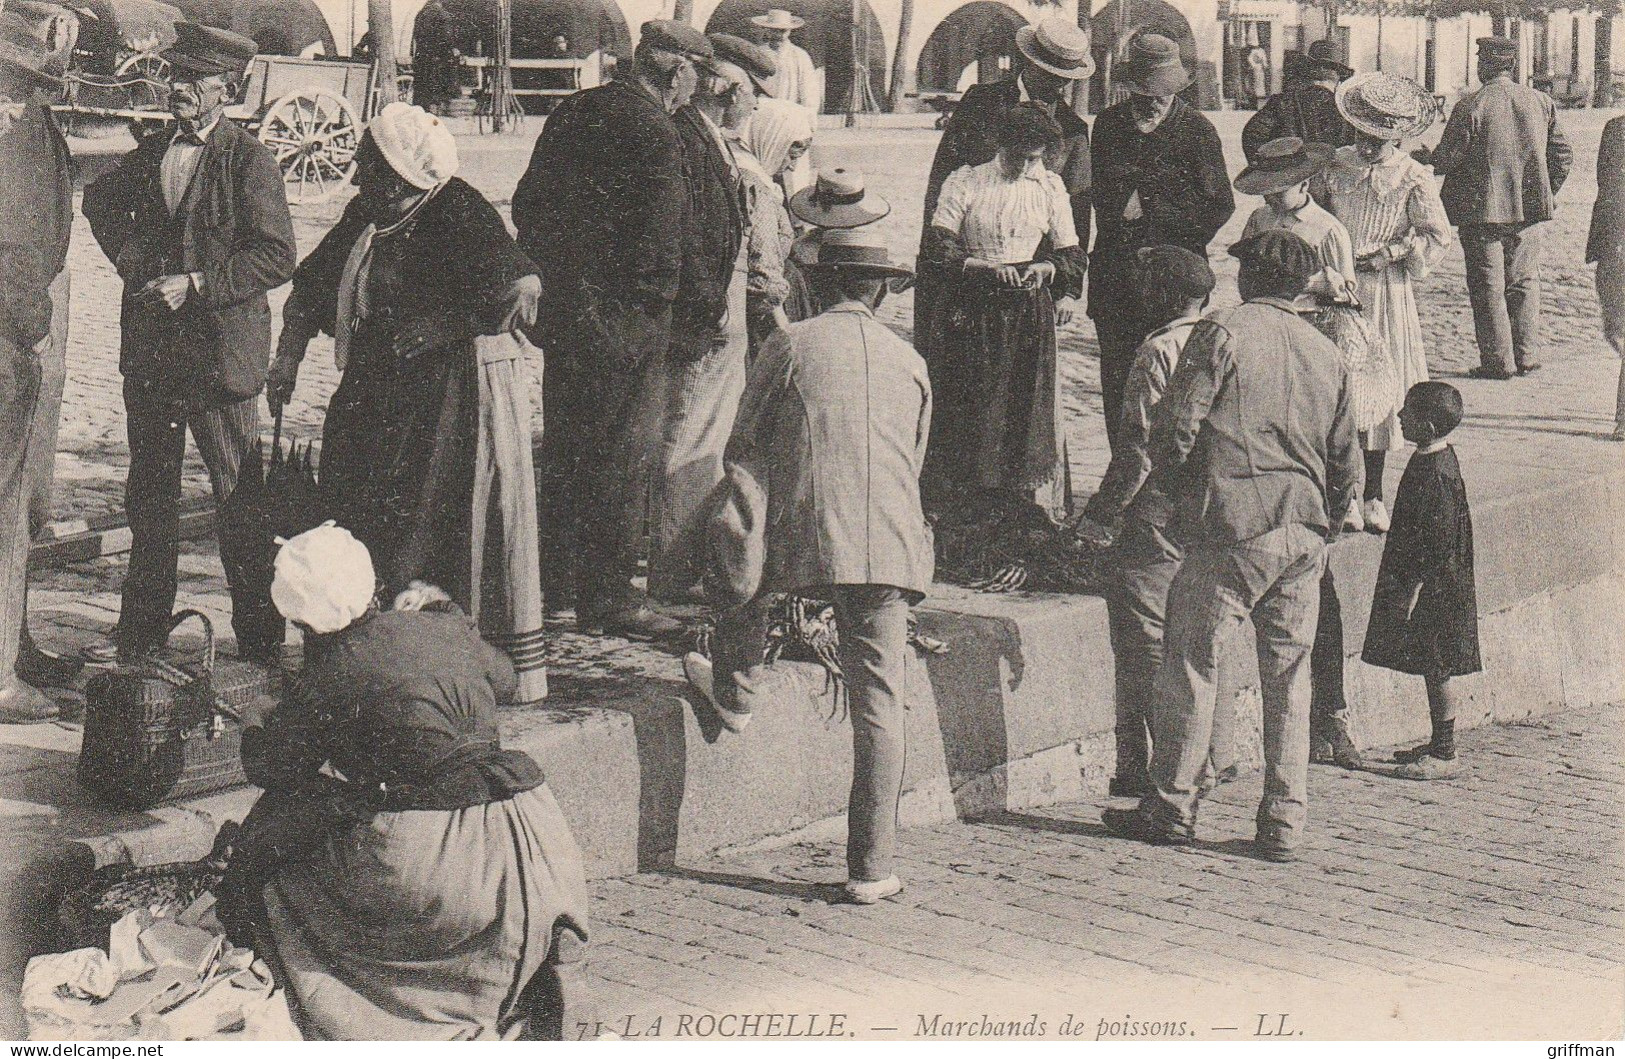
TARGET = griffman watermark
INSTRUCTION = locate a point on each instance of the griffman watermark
(1564, 1051)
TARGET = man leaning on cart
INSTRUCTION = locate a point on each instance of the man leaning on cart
(196, 222)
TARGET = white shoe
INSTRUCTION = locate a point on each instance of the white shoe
(1376, 516)
(868, 893)
(697, 668)
(1352, 522)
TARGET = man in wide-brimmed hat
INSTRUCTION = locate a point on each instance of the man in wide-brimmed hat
(602, 210)
(796, 79)
(1503, 158)
(1255, 502)
(1305, 106)
(196, 221)
(1159, 179)
(36, 216)
(822, 490)
(1054, 58)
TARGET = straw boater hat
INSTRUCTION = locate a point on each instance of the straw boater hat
(204, 51)
(1058, 46)
(857, 250)
(1283, 163)
(778, 18)
(838, 199)
(1152, 67)
(1394, 108)
(22, 52)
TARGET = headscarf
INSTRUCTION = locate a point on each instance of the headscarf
(768, 135)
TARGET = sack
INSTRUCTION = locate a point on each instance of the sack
(155, 732)
(1373, 382)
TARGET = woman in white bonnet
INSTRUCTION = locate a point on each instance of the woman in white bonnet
(426, 448)
(435, 892)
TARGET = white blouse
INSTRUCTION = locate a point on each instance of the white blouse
(1002, 220)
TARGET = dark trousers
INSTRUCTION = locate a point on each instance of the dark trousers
(1119, 335)
(601, 437)
(1327, 705)
(1503, 284)
(157, 426)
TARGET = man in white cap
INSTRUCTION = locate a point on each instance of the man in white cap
(822, 491)
(196, 221)
(796, 79)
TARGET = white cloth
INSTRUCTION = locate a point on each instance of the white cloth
(1002, 220)
(1393, 204)
(324, 579)
(772, 130)
(416, 144)
(797, 80)
(180, 164)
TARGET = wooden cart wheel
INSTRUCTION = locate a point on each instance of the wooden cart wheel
(148, 77)
(314, 136)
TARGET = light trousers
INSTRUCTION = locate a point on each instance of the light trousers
(1503, 284)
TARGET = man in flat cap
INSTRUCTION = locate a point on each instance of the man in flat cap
(196, 221)
(703, 372)
(1254, 500)
(1307, 106)
(1503, 158)
(1160, 179)
(602, 209)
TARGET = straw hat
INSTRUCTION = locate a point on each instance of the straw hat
(838, 199)
(1283, 163)
(1152, 67)
(857, 250)
(1058, 46)
(1379, 104)
(778, 18)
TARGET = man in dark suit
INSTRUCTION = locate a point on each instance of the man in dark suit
(196, 222)
(1159, 180)
(1307, 106)
(1054, 56)
(1503, 158)
(602, 210)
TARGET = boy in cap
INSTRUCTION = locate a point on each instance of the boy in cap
(1132, 510)
(1424, 614)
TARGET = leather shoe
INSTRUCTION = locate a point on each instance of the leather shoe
(22, 703)
(1490, 372)
(1129, 787)
(1274, 851)
(46, 669)
(1132, 823)
(639, 623)
(1335, 746)
(1529, 367)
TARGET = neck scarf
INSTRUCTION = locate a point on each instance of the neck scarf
(352, 303)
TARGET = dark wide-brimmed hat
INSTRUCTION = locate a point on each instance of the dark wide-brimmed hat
(1278, 251)
(857, 250)
(204, 51)
(838, 199)
(1058, 46)
(23, 52)
(1386, 106)
(1331, 54)
(757, 62)
(1283, 163)
(679, 38)
(1152, 67)
(778, 18)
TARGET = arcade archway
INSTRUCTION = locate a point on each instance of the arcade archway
(982, 33)
(827, 36)
(278, 27)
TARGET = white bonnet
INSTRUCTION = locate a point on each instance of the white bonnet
(324, 579)
(416, 144)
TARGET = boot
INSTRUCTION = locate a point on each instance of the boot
(1333, 745)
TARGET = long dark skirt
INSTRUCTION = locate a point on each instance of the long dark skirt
(997, 421)
(397, 468)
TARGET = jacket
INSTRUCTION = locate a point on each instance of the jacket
(1255, 431)
(1303, 109)
(713, 233)
(232, 226)
(603, 205)
(972, 137)
(821, 475)
(1606, 240)
(1502, 155)
(36, 218)
(1184, 195)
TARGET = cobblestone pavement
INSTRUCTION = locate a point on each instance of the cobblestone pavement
(1486, 907)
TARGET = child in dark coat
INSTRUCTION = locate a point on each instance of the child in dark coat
(1424, 617)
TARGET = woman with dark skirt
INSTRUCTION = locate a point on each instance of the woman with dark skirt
(1005, 230)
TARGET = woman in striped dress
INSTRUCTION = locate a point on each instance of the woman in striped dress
(1390, 205)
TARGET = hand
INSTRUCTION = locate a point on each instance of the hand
(171, 290)
(1008, 275)
(417, 595)
(416, 336)
(1038, 274)
(1065, 310)
(518, 303)
(1375, 261)
(280, 381)
(1091, 532)
(1423, 155)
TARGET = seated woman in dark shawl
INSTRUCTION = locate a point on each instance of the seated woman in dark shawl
(1004, 229)
(418, 268)
(434, 891)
